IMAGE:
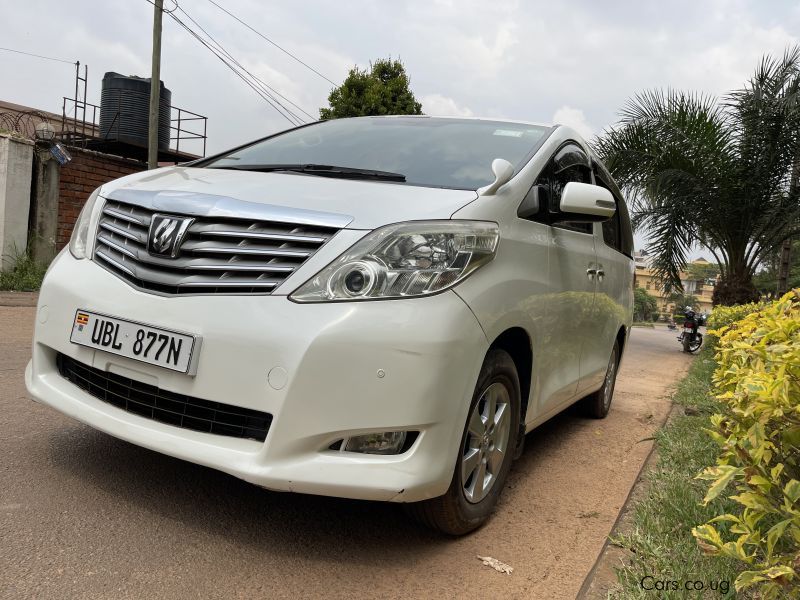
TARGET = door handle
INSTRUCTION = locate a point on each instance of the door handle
(600, 273)
(591, 272)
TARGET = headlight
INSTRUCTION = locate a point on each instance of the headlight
(80, 244)
(404, 260)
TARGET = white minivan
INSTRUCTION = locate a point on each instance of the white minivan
(375, 308)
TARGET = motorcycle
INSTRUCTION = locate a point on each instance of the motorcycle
(690, 337)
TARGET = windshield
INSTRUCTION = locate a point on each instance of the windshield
(452, 153)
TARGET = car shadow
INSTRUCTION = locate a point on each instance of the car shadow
(216, 504)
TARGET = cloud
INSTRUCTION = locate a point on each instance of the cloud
(578, 61)
(442, 106)
(574, 117)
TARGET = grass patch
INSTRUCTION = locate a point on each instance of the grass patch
(25, 275)
(644, 324)
(660, 539)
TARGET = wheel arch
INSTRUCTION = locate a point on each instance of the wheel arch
(622, 339)
(517, 343)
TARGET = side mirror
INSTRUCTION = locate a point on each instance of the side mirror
(503, 172)
(586, 202)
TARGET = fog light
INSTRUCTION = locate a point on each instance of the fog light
(386, 442)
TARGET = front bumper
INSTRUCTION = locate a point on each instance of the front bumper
(429, 350)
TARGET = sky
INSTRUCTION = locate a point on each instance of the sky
(575, 63)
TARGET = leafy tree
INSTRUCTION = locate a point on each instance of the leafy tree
(645, 306)
(383, 89)
(698, 271)
(681, 301)
(721, 174)
(766, 280)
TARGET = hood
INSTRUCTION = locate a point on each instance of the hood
(351, 203)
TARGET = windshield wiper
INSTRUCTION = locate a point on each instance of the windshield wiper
(321, 170)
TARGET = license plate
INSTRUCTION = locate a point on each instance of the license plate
(153, 345)
(688, 331)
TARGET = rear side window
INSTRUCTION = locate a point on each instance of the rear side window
(611, 228)
(617, 231)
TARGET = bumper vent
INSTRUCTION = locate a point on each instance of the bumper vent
(217, 255)
(166, 407)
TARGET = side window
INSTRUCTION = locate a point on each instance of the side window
(570, 163)
(617, 232)
(612, 232)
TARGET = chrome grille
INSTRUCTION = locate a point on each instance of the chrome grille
(217, 256)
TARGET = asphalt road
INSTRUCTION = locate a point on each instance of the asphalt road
(84, 515)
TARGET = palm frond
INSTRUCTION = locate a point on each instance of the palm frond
(725, 174)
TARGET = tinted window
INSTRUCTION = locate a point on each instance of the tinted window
(622, 220)
(569, 164)
(611, 228)
(454, 153)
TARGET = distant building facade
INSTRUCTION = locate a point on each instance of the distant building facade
(702, 289)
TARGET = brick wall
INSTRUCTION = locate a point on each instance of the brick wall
(79, 178)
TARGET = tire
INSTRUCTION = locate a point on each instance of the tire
(698, 341)
(466, 505)
(686, 343)
(598, 404)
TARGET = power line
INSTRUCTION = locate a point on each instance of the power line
(266, 88)
(256, 84)
(229, 13)
(61, 60)
(249, 79)
(287, 114)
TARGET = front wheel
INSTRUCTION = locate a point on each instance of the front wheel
(485, 454)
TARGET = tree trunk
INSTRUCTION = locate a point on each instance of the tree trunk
(736, 288)
(783, 267)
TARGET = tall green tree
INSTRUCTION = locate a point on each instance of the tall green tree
(697, 271)
(382, 89)
(645, 306)
(682, 300)
(721, 174)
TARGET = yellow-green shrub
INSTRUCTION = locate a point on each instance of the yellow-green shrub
(758, 379)
(724, 316)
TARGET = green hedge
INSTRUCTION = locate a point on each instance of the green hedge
(758, 380)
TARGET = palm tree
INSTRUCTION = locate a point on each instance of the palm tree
(723, 175)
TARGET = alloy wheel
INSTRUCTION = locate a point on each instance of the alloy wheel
(486, 445)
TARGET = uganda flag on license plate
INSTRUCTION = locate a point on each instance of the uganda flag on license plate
(81, 319)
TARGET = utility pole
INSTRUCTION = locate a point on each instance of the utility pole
(155, 87)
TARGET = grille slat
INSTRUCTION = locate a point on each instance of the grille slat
(259, 233)
(217, 256)
(212, 247)
(164, 406)
(160, 278)
(129, 216)
(119, 247)
(126, 233)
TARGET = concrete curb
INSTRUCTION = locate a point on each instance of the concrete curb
(588, 589)
(19, 298)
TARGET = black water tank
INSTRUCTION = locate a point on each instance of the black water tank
(125, 107)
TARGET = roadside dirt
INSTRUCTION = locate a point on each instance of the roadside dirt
(85, 515)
